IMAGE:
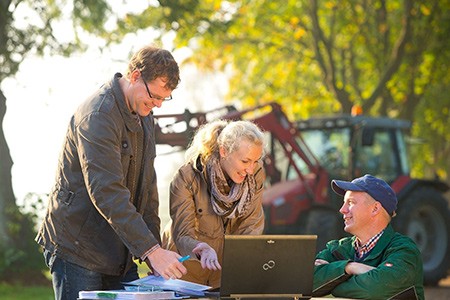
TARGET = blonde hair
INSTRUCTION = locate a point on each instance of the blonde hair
(221, 133)
(384, 214)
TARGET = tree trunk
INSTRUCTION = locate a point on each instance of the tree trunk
(7, 199)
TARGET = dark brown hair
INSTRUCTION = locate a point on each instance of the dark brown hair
(153, 63)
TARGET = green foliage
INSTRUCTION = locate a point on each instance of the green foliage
(35, 33)
(432, 126)
(321, 57)
(10, 256)
(90, 15)
(23, 251)
(30, 27)
(313, 57)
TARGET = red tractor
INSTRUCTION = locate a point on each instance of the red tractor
(302, 158)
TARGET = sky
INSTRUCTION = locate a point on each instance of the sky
(45, 92)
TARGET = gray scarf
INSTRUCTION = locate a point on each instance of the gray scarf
(230, 204)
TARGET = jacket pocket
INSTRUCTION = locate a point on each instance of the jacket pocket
(126, 155)
(64, 195)
(209, 225)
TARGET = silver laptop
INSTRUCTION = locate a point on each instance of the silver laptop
(268, 266)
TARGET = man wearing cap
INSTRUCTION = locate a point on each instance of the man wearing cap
(375, 262)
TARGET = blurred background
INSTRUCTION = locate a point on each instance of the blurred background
(314, 58)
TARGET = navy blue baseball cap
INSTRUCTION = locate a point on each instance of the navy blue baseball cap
(375, 187)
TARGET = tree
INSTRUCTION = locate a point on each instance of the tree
(391, 57)
(27, 27)
(318, 57)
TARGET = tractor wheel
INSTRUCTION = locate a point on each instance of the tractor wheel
(424, 217)
(326, 223)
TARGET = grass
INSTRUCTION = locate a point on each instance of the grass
(19, 292)
(35, 289)
(40, 292)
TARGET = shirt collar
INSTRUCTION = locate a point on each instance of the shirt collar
(363, 250)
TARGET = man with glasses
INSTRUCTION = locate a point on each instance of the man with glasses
(103, 209)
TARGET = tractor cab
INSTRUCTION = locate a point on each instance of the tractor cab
(351, 146)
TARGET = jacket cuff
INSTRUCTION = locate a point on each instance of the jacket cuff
(327, 287)
(148, 252)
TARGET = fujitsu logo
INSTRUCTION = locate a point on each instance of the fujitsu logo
(268, 265)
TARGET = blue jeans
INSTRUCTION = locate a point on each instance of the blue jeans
(68, 279)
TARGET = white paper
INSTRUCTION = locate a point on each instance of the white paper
(126, 295)
(177, 285)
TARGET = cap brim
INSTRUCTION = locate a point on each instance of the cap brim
(340, 187)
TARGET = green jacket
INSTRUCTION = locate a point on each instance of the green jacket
(398, 272)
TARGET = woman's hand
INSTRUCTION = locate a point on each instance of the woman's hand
(208, 257)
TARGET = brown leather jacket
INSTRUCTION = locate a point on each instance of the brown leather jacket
(94, 219)
(194, 221)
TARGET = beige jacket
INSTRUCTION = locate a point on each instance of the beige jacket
(194, 221)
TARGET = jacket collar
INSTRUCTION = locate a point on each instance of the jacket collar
(197, 165)
(384, 240)
(128, 117)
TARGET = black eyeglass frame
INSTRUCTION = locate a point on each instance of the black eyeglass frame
(150, 94)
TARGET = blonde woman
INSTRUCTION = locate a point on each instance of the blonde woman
(217, 191)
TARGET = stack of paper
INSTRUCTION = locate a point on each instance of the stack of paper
(127, 295)
(181, 287)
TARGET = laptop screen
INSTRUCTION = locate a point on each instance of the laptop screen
(268, 265)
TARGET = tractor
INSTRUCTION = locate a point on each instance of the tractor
(303, 157)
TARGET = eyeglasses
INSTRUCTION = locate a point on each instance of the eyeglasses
(150, 94)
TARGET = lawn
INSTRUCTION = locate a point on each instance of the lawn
(19, 292)
(38, 288)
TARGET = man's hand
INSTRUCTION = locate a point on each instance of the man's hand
(208, 257)
(319, 262)
(166, 264)
(355, 268)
